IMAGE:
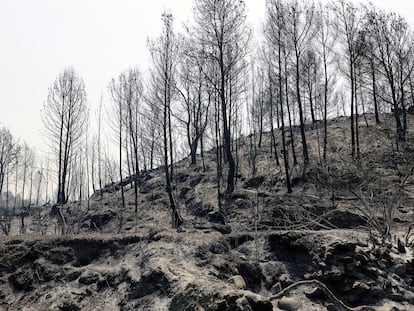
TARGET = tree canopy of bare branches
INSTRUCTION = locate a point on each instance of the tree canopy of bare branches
(64, 117)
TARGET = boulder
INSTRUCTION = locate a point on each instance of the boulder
(252, 274)
(224, 229)
(238, 282)
(315, 293)
(257, 304)
(216, 217)
(400, 269)
(288, 304)
(401, 247)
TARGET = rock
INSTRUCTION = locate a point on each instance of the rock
(181, 230)
(327, 256)
(238, 281)
(343, 247)
(308, 276)
(361, 285)
(277, 288)
(219, 247)
(315, 293)
(361, 257)
(216, 217)
(285, 280)
(331, 307)
(345, 219)
(361, 290)
(259, 305)
(88, 279)
(401, 247)
(154, 234)
(224, 229)
(254, 182)
(400, 269)
(288, 304)
(334, 274)
(251, 273)
(397, 297)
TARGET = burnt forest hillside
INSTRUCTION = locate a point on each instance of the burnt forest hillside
(339, 241)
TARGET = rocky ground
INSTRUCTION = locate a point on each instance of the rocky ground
(318, 248)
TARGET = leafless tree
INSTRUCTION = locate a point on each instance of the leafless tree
(300, 29)
(133, 93)
(151, 131)
(8, 153)
(165, 51)
(117, 92)
(310, 73)
(275, 33)
(222, 32)
(39, 176)
(326, 40)
(272, 106)
(64, 116)
(27, 165)
(347, 21)
(392, 41)
(196, 99)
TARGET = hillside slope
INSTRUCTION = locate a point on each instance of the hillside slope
(238, 258)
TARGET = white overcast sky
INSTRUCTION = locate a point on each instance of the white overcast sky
(99, 38)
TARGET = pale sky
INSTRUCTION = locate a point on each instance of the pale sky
(99, 38)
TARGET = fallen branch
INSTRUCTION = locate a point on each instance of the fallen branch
(337, 302)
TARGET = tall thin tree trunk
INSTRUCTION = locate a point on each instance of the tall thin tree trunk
(292, 137)
(122, 209)
(356, 119)
(285, 154)
(301, 119)
(352, 107)
(272, 130)
(325, 105)
(226, 129)
(374, 92)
